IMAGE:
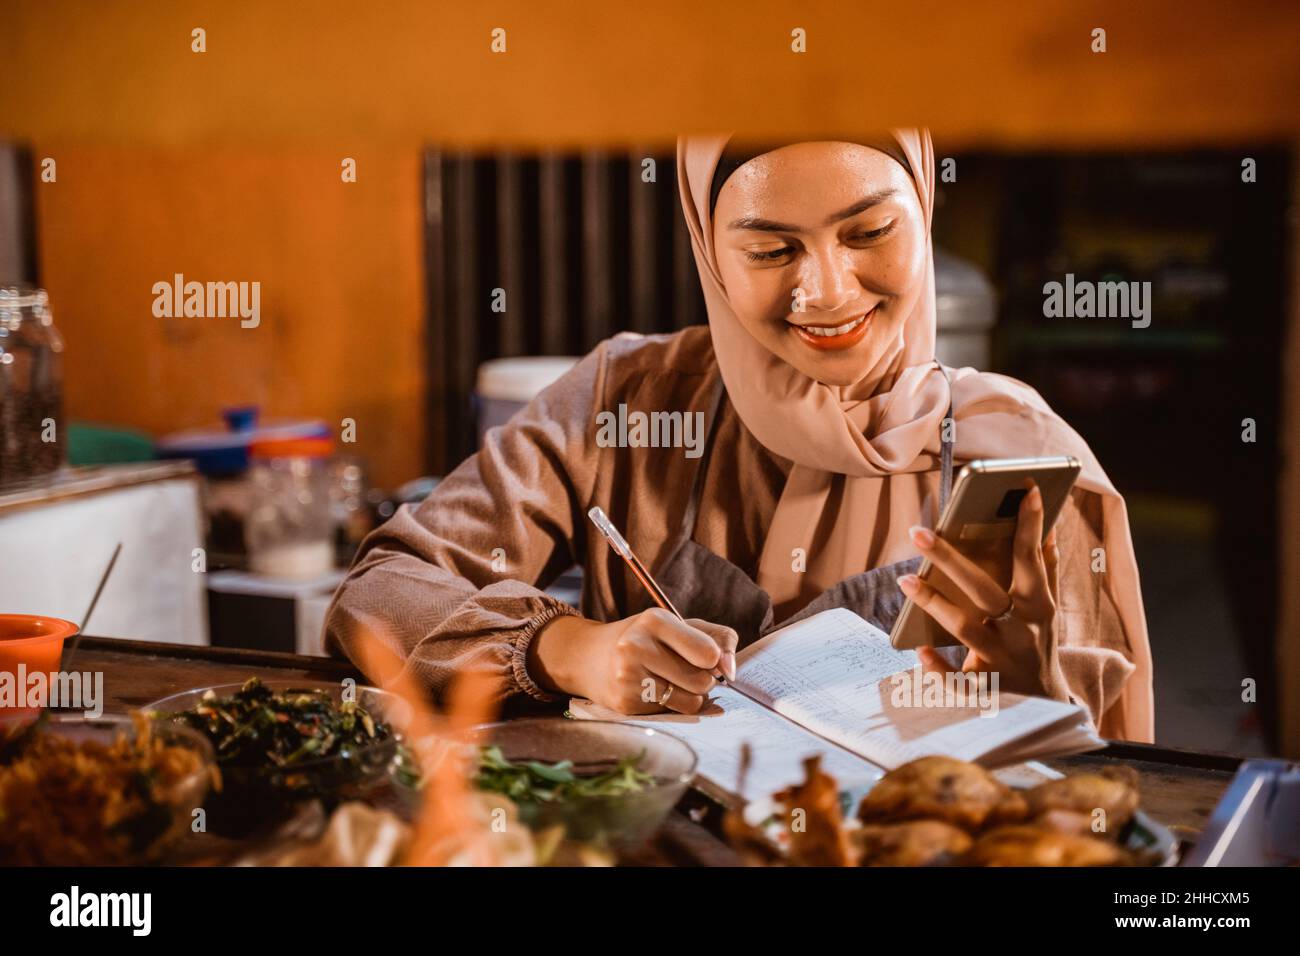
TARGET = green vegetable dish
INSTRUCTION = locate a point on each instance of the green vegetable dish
(277, 746)
(260, 727)
(531, 781)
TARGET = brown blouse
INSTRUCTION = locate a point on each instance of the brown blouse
(456, 581)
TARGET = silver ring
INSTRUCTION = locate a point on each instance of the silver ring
(668, 693)
(1004, 616)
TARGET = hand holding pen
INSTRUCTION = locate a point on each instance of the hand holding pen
(642, 664)
(681, 658)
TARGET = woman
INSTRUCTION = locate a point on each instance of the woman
(831, 432)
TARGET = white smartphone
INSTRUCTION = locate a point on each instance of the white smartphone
(980, 522)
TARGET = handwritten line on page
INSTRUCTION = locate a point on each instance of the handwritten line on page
(833, 673)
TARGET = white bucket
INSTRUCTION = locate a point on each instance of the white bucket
(506, 385)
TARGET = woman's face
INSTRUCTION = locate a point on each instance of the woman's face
(821, 247)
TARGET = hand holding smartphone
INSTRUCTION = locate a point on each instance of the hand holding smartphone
(980, 522)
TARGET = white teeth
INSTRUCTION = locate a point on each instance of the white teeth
(837, 330)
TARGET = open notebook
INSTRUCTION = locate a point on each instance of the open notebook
(827, 685)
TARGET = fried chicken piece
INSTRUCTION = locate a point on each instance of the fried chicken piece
(1065, 821)
(1114, 791)
(940, 788)
(1025, 845)
(816, 822)
(917, 843)
(1012, 808)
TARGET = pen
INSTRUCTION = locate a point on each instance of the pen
(624, 551)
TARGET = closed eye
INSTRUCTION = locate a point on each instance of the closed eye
(876, 233)
(769, 255)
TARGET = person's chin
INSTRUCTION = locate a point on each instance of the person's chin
(834, 373)
(839, 369)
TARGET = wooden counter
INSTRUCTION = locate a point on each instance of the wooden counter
(1179, 788)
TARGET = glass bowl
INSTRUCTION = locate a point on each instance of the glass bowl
(70, 821)
(621, 821)
(256, 796)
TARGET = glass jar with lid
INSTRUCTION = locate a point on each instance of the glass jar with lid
(31, 386)
(289, 529)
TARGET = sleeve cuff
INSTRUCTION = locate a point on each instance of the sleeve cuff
(521, 643)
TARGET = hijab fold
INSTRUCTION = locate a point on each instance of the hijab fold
(864, 457)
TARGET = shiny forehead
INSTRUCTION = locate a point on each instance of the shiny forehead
(737, 154)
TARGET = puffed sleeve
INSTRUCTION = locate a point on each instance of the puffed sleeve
(456, 582)
(1099, 655)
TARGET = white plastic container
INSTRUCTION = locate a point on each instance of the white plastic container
(506, 385)
(966, 311)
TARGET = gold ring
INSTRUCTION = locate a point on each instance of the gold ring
(668, 693)
(1005, 615)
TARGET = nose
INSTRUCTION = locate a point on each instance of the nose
(828, 280)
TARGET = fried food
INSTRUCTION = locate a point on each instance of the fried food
(816, 822)
(940, 811)
(1027, 845)
(1113, 791)
(1065, 821)
(940, 788)
(78, 803)
(917, 843)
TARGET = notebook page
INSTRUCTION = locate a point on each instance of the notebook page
(1067, 736)
(832, 674)
(778, 746)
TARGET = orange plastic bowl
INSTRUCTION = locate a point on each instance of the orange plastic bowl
(37, 643)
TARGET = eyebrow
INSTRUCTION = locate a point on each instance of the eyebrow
(768, 225)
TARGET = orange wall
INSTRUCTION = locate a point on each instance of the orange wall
(1015, 71)
(341, 288)
(224, 165)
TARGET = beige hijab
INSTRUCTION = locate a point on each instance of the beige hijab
(864, 458)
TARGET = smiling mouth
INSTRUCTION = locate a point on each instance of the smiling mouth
(827, 331)
(828, 337)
